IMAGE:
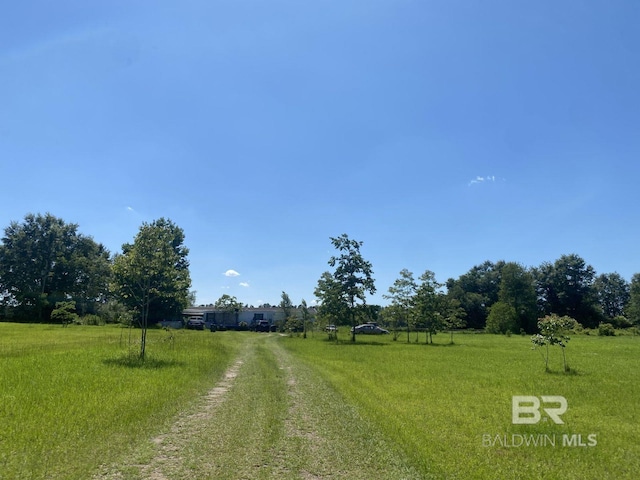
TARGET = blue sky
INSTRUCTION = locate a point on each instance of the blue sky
(439, 133)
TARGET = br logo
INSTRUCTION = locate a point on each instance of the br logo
(526, 408)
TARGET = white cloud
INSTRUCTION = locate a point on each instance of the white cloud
(489, 178)
(244, 284)
(231, 273)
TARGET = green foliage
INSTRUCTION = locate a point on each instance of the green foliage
(64, 313)
(554, 331)
(606, 330)
(632, 309)
(612, 292)
(517, 289)
(502, 318)
(402, 296)
(45, 260)
(228, 303)
(476, 291)
(566, 287)
(151, 275)
(353, 276)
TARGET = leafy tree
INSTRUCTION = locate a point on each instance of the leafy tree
(64, 313)
(453, 314)
(517, 289)
(331, 309)
(553, 331)
(428, 303)
(476, 291)
(633, 307)
(401, 294)
(353, 274)
(566, 288)
(287, 307)
(502, 318)
(44, 260)
(229, 305)
(612, 292)
(306, 317)
(152, 274)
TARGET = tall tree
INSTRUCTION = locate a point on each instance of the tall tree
(401, 294)
(152, 274)
(612, 292)
(353, 274)
(633, 307)
(517, 289)
(331, 309)
(477, 290)
(44, 260)
(566, 288)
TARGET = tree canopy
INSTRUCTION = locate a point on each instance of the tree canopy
(151, 275)
(44, 260)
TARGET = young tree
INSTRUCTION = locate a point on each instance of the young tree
(428, 305)
(331, 309)
(502, 318)
(152, 274)
(306, 317)
(401, 294)
(229, 305)
(353, 274)
(553, 331)
(287, 307)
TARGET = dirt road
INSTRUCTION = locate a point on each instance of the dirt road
(269, 417)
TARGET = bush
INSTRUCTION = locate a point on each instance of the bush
(91, 319)
(502, 318)
(64, 313)
(606, 330)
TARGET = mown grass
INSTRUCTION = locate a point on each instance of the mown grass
(436, 402)
(74, 398)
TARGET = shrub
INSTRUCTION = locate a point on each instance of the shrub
(91, 319)
(502, 318)
(606, 330)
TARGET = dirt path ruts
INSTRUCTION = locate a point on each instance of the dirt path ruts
(270, 416)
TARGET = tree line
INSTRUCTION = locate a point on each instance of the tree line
(497, 296)
(51, 272)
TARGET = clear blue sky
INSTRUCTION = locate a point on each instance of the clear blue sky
(440, 133)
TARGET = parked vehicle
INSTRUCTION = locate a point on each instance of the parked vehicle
(195, 324)
(331, 329)
(262, 326)
(369, 328)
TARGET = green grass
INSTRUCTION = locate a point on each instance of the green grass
(436, 402)
(73, 402)
(74, 398)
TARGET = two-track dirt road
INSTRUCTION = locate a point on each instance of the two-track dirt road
(270, 416)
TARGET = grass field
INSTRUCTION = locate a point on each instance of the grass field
(71, 398)
(72, 402)
(446, 404)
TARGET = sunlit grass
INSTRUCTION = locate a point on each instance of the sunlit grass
(438, 401)
(73, 398)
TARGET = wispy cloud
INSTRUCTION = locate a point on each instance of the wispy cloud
(488, 178)
(244, 284)
(231, 273)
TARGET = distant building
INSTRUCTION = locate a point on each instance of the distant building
(246, 318)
